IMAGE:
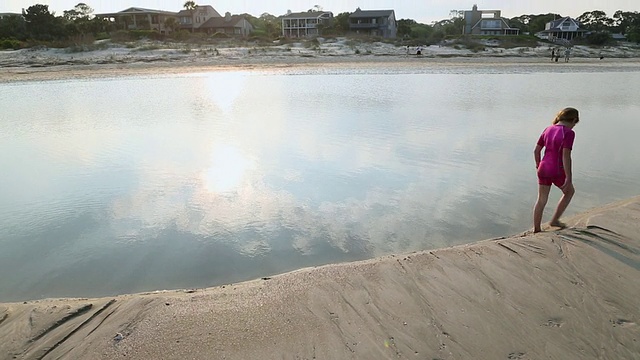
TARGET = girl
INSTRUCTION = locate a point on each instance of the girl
(555, 167)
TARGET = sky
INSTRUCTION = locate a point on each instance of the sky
(421, 11)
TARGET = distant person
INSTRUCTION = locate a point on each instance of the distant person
(407, 49)
(555, 166)
(567, 53)
(553, 54)
(419, 50)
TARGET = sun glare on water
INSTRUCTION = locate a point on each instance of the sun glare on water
(228, 169)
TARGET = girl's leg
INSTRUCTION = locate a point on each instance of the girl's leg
(567, 195)
(538, 209)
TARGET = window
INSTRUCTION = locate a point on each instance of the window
(490, 24)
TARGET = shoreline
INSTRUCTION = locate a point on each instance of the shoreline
(105, 59)
(562, 294)
(326, 63)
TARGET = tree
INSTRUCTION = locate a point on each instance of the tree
(422, 31)
(81, 11)
(537, 23)
(14, 27)
(520, 22)
(628, 23)
(171, 24)
(404, 27)
(341, 23)
(595, 20)
(452, 26)
(190, 5)
(42, 24)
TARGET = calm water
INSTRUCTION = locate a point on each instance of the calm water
(131, 184)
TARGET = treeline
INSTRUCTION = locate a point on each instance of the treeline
(622, 22)
(37, 24)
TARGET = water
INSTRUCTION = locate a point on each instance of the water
(132, 184)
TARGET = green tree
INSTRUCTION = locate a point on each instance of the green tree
(421, 31)
(80, 20)
(537, 23)
(171, 24)
(14, 27)
(190, 5)
(628, 23)
(404, 27)
(81, 11)
(341, 23)
(520, 22)
(42, 24)
(596, 21)
(453, 26)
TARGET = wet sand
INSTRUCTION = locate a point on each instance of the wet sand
(559, 294)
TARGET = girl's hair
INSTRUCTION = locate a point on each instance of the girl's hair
(567, 114)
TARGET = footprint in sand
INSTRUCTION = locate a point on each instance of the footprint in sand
(554, 322)
(516, 356)
(623, 323)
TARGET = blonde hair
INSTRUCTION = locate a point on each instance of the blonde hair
(567, 114)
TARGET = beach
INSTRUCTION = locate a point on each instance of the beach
(146, 57)
(564, 294)
(559, 294)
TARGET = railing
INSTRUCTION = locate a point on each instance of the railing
(365, 26)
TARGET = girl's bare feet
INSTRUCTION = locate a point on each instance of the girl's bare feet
(558, 224)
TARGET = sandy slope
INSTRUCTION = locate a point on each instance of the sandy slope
(569, 294)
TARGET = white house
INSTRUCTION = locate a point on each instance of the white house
(565, 28)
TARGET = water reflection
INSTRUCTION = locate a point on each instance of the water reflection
(237, 175)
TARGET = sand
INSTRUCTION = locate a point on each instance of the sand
(148, 57)
(563, 294)
(567, 294)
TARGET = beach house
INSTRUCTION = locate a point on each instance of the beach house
(487, 22)
(135, 18)
(565, 28)
(6, 15)
(374, 23)
(305, 24)
(193, 19)
(233, 25)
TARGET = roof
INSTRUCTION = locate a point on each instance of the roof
(555, 24)
(221, 22)
(137, 10)
(503, 20)
(371, 13)
(307, 14)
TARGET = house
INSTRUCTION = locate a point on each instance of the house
(305, 24)
(374, 23)
(234, 25)
(486, 22)
(135, 18)
(6, 15)
(562, 29)
(193, 19)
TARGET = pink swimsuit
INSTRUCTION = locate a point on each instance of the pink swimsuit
(553, 139)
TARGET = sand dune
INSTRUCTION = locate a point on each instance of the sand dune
(568, 294)
(143, 57)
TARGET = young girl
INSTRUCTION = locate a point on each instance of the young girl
(555, 167)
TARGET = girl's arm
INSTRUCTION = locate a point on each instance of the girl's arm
(566, 164)
(536, 155)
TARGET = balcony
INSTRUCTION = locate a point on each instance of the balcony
(365, 26)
